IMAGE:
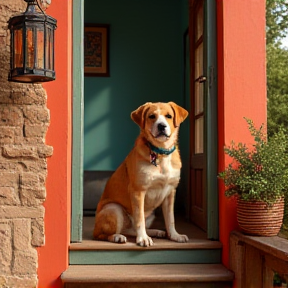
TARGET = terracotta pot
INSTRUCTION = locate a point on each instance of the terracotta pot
(256, 218)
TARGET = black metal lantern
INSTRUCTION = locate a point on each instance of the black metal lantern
(32, 45)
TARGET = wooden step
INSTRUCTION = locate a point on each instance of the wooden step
(199, 250)
(159, 244)
(164, 251)
(167, 275)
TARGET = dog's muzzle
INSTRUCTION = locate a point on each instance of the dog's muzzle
(162, 130)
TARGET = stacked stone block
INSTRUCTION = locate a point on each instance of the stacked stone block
(24, 120)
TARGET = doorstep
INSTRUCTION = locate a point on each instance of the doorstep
(167, 275)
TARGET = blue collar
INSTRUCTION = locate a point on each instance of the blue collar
(161, 151)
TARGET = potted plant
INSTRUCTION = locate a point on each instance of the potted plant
(258, 177)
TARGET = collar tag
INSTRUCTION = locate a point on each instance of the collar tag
(153, 158)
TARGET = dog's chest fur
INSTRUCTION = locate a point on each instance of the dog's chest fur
(164, 178)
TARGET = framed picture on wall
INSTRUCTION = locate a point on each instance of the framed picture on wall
(96, 50)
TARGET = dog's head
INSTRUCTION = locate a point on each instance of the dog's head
(159, 121)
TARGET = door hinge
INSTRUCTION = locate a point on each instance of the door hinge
(211, 76)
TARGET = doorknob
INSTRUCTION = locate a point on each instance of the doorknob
(201, 79)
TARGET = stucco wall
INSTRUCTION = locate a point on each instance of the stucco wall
(238, 95)
(24, 120)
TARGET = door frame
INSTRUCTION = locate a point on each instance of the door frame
(78, 120)
(211, 120)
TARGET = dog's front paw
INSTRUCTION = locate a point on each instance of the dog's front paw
(144, 241)
(179, 238)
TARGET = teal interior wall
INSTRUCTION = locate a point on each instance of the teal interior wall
(146, 64)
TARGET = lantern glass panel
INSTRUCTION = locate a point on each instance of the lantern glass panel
(40, 49)
(18, 46)
(30, 48)
(49, 49)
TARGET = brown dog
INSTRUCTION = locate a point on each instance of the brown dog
(146, 179)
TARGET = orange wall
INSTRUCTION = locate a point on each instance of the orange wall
(53, 257)
(241, 92)
(242, 87)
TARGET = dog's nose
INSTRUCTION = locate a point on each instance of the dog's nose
(161, 127)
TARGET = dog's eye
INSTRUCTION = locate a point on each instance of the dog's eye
(151, 116)
(168, 116)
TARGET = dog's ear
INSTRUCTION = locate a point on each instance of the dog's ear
(138, 116)
(180, 113)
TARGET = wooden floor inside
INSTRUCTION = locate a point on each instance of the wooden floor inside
(197, 238)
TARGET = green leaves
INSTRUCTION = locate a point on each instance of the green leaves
(276, 20)
(277, 64)
(277, 88)
(259, 172)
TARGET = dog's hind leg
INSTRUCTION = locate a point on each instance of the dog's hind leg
(150, 232)
(156, 233)
(153, 232)
(109, 224)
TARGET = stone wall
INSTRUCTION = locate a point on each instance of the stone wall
(24, 119)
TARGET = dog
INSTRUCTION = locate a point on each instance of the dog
(146, 179)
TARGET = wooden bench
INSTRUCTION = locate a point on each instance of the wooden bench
(255, 260)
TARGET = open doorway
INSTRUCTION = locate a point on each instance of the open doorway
(148, 62)
(146, 65)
